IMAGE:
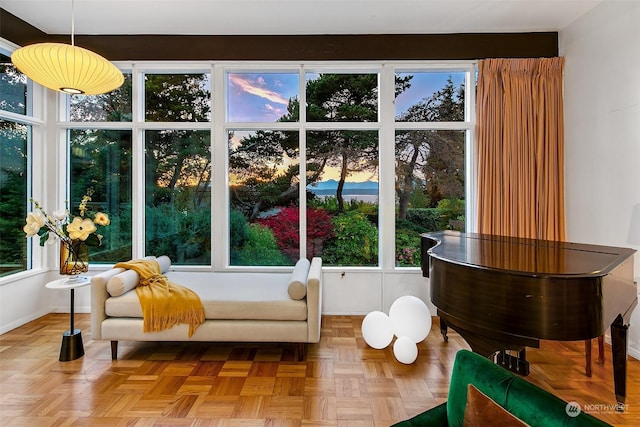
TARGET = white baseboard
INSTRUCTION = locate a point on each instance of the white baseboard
(22, 321)
(65, 309)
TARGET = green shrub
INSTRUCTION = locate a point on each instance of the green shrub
(355, 241)
(184, 236)
(260, 248)
(238, 229)
(424, 219)
(407, 248)
(451, 212)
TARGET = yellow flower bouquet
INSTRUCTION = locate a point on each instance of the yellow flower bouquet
(75, 233)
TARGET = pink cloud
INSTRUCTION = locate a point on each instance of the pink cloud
(255, 88)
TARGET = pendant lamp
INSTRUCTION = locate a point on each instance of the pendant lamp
(67, 68)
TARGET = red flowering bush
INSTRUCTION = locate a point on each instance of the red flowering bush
(286, 229)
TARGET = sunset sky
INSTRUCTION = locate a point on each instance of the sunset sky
(263, 97)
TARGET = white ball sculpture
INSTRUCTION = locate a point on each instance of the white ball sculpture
(410, 317)
(377, 330)
(405, 350)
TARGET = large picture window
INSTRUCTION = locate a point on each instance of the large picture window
(303, 158)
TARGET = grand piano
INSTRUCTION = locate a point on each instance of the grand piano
(503, 294)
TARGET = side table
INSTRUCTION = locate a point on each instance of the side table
(72, 347)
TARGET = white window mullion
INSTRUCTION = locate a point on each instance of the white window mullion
(220, 173)
(138, 165)
(302, 159)
(471, 181)
(386, 178)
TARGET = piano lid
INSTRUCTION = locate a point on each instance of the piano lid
(526, 256)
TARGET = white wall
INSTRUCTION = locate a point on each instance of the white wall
(22, 301)
(602, 130)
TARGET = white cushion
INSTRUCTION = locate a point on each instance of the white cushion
(164, 262)
(122, 282)
(128, 279)
(226, 298)
(298, 281)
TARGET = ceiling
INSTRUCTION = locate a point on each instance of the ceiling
(261, 17)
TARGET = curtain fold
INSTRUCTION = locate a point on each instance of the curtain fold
(520, 148)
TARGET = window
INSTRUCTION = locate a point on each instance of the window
(109, 107)
(430, 158)
(177, 97)
(177, 166)
(177, 194)
(297, 161)
(263, 197)
(15, 153)
(176, 161)
(341, 179)
(100, 160)
(262, 97)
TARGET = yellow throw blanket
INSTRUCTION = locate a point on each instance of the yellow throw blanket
(163, 302)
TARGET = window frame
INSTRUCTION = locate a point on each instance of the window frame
(218, 126)
(36, 185)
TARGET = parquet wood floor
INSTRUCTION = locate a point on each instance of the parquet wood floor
(342, 382)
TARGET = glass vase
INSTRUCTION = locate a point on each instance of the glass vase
(74, 258)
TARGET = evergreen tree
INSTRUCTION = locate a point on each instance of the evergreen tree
(438, 155)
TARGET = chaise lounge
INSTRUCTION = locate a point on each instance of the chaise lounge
(238, 307)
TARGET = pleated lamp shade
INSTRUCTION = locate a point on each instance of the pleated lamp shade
(67, 68)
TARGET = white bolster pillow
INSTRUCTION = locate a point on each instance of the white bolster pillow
(164, 262)
(298, 281)
(122, 283)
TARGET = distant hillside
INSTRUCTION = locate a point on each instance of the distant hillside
(329, 187)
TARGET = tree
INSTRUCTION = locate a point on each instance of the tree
(114, 106)
(178, 162)
(177, 157)
(14, 87)
(13, 169)
(286, 229)
(257, 159)
(257, 164)
(438, 155)
(343, 98)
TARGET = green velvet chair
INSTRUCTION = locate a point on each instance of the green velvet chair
(526, 401)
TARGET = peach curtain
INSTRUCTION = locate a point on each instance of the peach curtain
(520, 148)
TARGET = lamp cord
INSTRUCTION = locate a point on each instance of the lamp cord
(73, 20)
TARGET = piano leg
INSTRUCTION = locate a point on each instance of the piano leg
(619, 350)
(601, 350)
(443, 330)
(587, 351)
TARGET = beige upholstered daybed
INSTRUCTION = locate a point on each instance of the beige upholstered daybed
(238, 306)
